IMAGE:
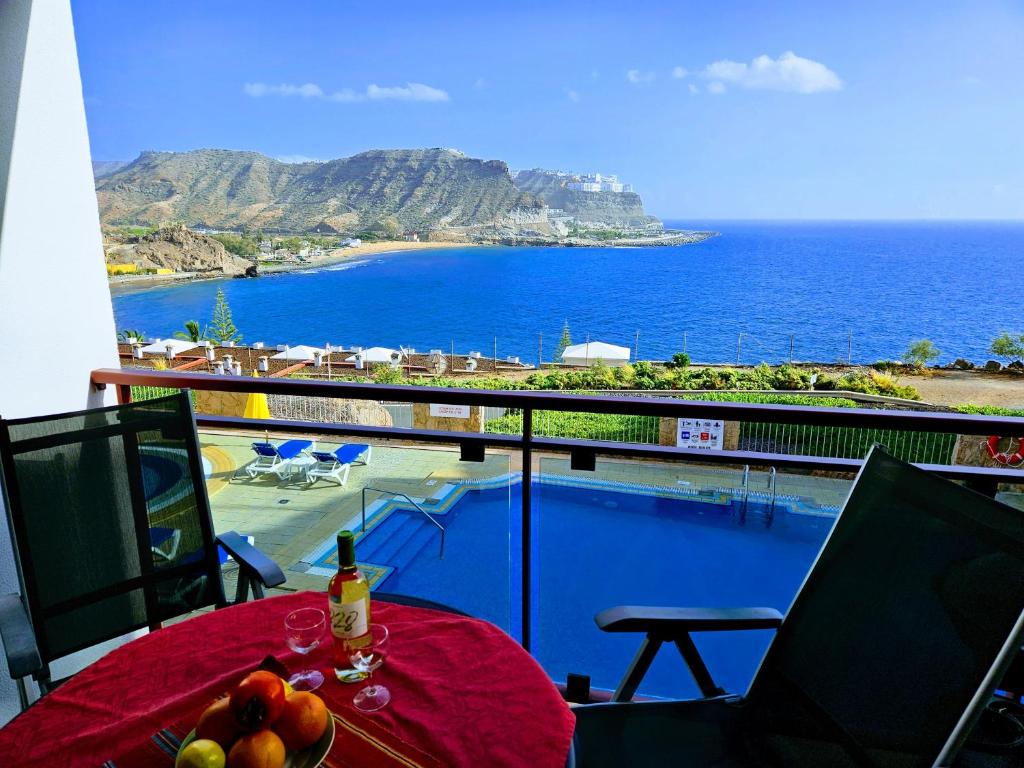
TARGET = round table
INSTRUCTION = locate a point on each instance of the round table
(463, 692)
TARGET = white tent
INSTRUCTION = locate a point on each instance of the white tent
(590, 353)
(177, 346)
(301, 352)
(374, 355)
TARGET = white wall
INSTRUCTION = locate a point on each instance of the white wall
(52, 279)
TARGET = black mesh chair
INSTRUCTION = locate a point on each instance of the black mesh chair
(888, 654)
(112, 531)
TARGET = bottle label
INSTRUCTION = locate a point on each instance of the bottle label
(348, 620)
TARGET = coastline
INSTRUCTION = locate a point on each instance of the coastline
(340, 255)
(332, 257)
(382, 247)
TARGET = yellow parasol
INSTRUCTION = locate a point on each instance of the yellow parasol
(256, 405)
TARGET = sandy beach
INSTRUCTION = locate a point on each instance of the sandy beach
(338, 255)
(333, 256)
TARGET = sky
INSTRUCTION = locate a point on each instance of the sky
(725, 110)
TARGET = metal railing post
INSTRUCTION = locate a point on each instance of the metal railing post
(527, 527)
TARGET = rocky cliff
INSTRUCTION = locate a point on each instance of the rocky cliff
(600, 209)
(176, 248)
(224, 189)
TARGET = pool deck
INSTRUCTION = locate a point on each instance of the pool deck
(292, 520)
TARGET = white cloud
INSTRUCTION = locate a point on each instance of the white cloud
(306, 91)
(678, 73)
(637, 77)
(298, 159)
(716, 87)
(408, 92)
(572, 95)
(479, 84)
(788, 72)
(693, 88)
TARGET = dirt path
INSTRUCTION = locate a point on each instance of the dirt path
(958, 387)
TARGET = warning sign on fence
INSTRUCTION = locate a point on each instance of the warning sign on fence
(700, 434)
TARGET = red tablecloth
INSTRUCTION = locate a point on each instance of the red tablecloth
(463, 692)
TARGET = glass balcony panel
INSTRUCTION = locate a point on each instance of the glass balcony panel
(669, 534)
(406, 488)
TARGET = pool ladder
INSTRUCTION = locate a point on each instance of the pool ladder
(769, 516)
(396, 494)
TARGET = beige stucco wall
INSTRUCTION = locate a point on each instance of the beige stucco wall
(421, 419)
(220, 403)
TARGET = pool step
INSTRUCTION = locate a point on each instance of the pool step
(397, 540)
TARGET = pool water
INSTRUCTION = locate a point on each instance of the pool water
(160, 473)
(594, 549)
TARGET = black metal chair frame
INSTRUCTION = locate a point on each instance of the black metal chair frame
(670, 624)
(28, 653)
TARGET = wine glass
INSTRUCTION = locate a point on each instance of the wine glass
(367, 658)
(304, 629)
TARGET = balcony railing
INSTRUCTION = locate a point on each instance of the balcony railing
(935, 430)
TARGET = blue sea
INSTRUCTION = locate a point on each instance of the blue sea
(756, 286)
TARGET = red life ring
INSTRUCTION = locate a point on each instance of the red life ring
(1004, 457)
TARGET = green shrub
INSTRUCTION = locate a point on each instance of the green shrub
(384, 374)
(989, 410)
(679, 360)
(1008, 346)
(873, 383)
(644, 375)
(237, 244)
(888, 366)
(920, 352)
(824, 382)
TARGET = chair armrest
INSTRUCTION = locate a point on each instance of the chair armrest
(669, 622)
(18, 639)
(251, 559)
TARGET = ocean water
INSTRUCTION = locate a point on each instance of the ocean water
(762, 284)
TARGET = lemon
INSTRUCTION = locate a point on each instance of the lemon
(201, 753)
(287, 688)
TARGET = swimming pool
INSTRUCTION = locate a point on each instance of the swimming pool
(160, 473)
(597, 547)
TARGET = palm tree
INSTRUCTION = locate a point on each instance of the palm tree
(128, 334)
(191, 332)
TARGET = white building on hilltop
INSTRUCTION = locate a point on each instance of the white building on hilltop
(595, 182)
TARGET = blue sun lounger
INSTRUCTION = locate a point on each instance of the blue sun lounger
(276, 459)
(336, 465)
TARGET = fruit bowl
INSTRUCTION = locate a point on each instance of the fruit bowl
(310, 757)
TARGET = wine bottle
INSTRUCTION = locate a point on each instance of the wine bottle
(349, 598)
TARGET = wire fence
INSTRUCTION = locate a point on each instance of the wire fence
(791, 439)
(151, 393)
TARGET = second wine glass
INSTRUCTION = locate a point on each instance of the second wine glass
(366, 658)
(304, 629)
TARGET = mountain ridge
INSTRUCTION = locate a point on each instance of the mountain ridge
(435, 190)
(233, 189)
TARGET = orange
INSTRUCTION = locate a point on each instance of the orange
(262, 749)
(218, 724)
(303, 720)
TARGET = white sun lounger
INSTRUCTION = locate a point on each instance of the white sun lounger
(335, 466)
(276, 459)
